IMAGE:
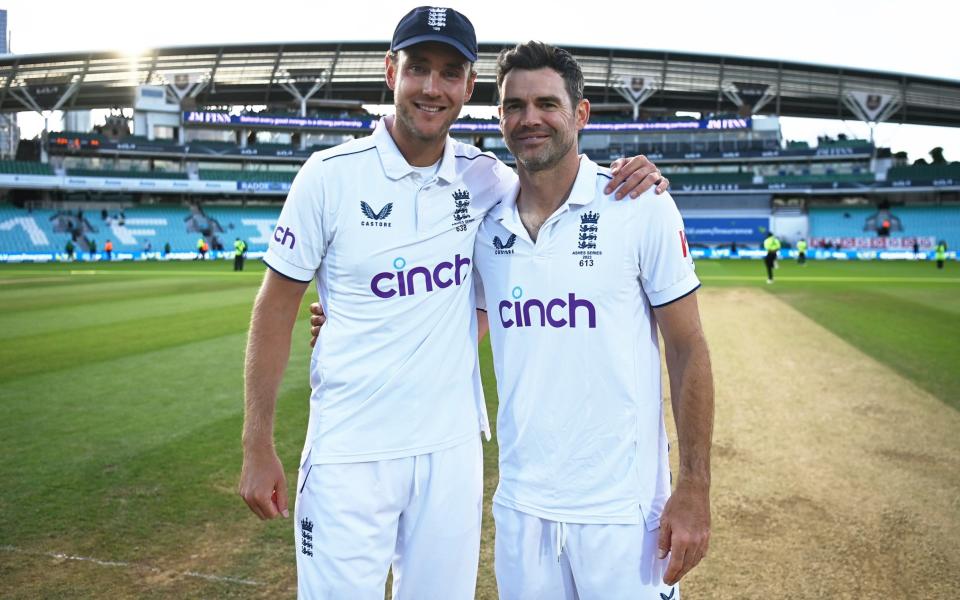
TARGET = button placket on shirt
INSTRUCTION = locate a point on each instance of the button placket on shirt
(542, 247)
(422, 190)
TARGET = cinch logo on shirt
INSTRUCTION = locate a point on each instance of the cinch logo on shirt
(404, 283)
(281, 235)
(557, 312)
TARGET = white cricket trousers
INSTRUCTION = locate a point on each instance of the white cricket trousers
(538, 559)
(420, 514)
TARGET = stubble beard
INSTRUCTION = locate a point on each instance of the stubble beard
(548, 157)
(407, 122)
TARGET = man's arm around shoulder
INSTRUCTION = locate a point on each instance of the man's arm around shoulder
(263, 484)
(685, 524)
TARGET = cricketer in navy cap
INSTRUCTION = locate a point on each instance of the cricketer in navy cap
(436, 24)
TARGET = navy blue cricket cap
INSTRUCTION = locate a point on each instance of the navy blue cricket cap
(435, 24)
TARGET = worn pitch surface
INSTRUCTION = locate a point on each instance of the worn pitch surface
(832, 475)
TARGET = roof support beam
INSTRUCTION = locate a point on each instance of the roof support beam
(273, 75)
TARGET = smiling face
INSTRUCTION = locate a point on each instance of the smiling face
(430, 83)
(537, 117)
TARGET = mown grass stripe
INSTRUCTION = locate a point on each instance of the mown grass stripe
(832, 279)
(65, 296)
(912, 338)
(15, 324)
(88, 345)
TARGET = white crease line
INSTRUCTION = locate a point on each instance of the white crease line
(113, 563)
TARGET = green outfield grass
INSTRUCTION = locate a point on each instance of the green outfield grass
(904, 314)
(121, 410)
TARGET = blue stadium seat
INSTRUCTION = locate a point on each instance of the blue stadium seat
(940, 222)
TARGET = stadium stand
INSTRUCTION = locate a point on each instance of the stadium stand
(125, 173)
(239, 175)
(709, 178)
(800, 178)
(47, 231)
(23, 167)
(937, 222)
(924, 172)
(731, 171)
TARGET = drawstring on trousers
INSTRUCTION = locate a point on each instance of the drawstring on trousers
(561, 538)
(416, 476)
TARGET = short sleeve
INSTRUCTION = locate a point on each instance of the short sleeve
(298, 243)
(478, 292)
(666, 265)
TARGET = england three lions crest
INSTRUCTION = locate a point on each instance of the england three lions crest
(461, 210)
(587, 239)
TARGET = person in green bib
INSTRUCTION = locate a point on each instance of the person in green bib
(772, 245)
(802, 252)
(941, 253)
(239, 250)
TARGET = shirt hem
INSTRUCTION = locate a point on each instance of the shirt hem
(574, 517)
(320, 458)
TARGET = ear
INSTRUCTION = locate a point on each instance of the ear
(500, 113)
(471, 81)
(390, 71)
(583, 114)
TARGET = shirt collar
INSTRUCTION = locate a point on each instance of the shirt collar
(396, 166)
(585, 187)
(582, 193)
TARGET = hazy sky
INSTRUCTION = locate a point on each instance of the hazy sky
(909, 37)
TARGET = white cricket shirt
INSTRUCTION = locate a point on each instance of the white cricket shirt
(580, 421)
(395, 370)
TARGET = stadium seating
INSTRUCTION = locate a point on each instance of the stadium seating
(843, 143)
(125, 173)
(802, 178)
(710, 178)
(24, 231)
(213, 146)
(24, 167)
(925, 172)
(238, 175)
(940, 222)
(253, 224)
(271, 147)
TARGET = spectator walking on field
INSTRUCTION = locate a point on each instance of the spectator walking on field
(772, 246)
